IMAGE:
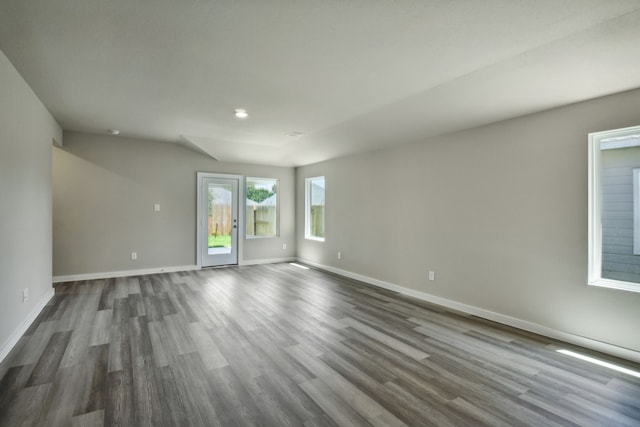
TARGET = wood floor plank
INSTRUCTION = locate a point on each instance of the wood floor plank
(66, 391)
(178, 334)
(335, 408)
(136, 305)
(162, 349)
(121, 288)
(107, 296)
(81, 310)
(101, 328)
(175, 401)
(209, 351)
(26, 406)
(133, 285)
(347, 391)
(95, 384)
(479, 415)
(30, 352)
(91, 419)
(147, 396)
(274, 345)
(45, 370)
(119, 348)
(119, 403)
(241, 354)
(194, 384)
(400, 416)
(275, 408)
(78, 346)
(11, 385)
(394, 343)
(232, 403)
(120, 310)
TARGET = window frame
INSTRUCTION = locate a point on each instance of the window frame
(246, 185)
(307, 208)
(595, 212)
(636, 211)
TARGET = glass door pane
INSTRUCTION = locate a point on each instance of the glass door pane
(219, 218)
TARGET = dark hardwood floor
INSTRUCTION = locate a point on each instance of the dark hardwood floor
(275, 345)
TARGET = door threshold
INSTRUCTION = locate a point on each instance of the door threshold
(218, 266)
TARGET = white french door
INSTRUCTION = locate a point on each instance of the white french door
(218, 220)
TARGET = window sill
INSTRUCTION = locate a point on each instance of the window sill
(317, 239)
(616, 284)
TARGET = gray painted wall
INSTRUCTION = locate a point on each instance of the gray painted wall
(618, 260)
(27, 131)
(104, 191)
(498, 212)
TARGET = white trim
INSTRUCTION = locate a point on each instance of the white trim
(595, 225)
(616, 284)
(267, 261)
(308, 182)
(241, 211)
(128, 273)
(22, 328)
(595, 207)
(157, 270)
(244, 207)
(600, 346)
(622, 143)
(636, 211)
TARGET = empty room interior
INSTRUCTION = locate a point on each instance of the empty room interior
(320, 213)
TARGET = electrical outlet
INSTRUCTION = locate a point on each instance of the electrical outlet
(25, 294)
(284, 246)
(134, 256)
(156, 207)
(432, 275)
(339, 255)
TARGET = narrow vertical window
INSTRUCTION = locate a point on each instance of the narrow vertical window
(261, 207)
(314, 208)
(614, 209)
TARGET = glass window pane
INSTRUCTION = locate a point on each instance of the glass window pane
(262, 207)
(315, 208)
(614, 209)
(620, 259)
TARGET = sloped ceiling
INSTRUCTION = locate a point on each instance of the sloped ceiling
(350, 76)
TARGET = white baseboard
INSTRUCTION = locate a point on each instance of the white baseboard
(266, 261)
(113, 274)
(592, 344)
(22, 328)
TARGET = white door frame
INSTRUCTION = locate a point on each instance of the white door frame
(199, 217)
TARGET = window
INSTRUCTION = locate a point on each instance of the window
(614, 209)
(636, 211)
(314, 208)
(262, 207)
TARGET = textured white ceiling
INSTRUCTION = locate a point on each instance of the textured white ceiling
(351, 75)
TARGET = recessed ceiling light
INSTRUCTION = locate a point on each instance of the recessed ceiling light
(241, 113)
(114, 131)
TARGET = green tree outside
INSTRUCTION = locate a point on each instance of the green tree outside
(259, 195)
